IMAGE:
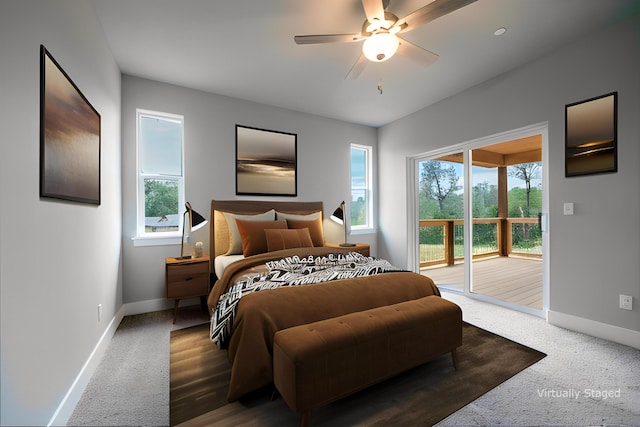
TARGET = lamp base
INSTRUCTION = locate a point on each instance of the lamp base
(347, 245)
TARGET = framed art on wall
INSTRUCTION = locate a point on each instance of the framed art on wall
(591, 136)
(69, 137)
(266, 162)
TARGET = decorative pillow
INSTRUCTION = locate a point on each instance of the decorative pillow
(315, 229)
(287, 239)
(306, 217)
(235, 241)
(253, 237)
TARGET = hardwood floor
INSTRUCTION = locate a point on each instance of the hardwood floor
(512, 279)
(421, 396)
(206, 389)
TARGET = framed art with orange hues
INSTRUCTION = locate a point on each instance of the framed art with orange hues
(69, 137)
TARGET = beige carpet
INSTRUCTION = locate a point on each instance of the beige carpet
(199, 375)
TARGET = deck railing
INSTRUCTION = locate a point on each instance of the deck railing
(442, 240)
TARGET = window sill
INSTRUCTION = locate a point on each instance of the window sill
(156, 241)
(353, 232)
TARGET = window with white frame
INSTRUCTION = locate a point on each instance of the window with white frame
(160, 174)
(361, 190)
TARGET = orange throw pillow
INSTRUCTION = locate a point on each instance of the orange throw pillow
(315, 229)
(287, 239)
(252, 234)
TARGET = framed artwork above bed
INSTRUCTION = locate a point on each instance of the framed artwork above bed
(266, 162)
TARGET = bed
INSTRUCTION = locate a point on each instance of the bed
(245, 321)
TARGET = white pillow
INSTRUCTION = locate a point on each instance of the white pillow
(235, 241)
(307, 217)
(220, 263)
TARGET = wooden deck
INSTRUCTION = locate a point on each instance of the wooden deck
(512, 279)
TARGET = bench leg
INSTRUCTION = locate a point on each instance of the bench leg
(306, 419)
(454, 356)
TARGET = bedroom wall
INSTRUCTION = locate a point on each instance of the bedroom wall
(58, 260)
(209, 147)
(595, 254)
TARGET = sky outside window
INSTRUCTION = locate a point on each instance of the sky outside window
(358, 173)
(161, 146)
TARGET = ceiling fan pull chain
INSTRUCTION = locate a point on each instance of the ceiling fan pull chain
(380, 86)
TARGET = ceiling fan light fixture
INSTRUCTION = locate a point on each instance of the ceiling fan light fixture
(380, 46)
(374, 26)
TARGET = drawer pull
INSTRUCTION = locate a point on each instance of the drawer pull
(189, 278)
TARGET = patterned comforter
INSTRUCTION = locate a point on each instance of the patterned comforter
(292, 271)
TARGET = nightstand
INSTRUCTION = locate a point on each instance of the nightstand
(362, 248)
(186, 278)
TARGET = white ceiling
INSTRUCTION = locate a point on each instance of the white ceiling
(245, 48)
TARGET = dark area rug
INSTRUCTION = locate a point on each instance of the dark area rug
(200, 373)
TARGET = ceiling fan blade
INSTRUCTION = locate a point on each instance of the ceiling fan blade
(430, 12)
(414, 52)
(328, 38)
(374, 9)
(357, 68)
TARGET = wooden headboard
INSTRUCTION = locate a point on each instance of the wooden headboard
(219, 231)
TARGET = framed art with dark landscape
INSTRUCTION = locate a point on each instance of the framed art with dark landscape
(69, 137)
(266, 162)
(591, 136)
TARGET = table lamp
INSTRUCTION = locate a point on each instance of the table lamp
(196, 222)
(338, 216)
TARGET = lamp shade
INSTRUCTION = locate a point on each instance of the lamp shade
(192, 221)
(197, 221)
(338, 214)
(380, 46)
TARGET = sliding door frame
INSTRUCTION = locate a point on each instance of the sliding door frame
(413, 255)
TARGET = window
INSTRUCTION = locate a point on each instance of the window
(160, 174)
(361, 199)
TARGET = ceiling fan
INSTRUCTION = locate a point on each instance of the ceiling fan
(380, 33)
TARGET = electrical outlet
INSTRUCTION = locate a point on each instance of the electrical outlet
(626, 302)
(99, 312)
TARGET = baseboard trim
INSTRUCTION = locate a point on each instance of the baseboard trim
(152, 305)
(148, 306)
(597, 329)
(71, 399)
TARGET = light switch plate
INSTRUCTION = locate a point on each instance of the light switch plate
(568, 208)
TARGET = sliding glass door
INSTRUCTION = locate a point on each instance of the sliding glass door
(507, 238)
(441, 219)
(480, 221)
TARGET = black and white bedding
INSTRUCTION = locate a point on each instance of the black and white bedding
(292, 271)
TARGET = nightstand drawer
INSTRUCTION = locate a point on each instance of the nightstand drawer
(179, 272)
(189, 286)
(187, 280)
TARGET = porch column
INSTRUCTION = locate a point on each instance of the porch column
(503, 212)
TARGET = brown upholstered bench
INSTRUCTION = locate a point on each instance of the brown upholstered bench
(321, 362)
